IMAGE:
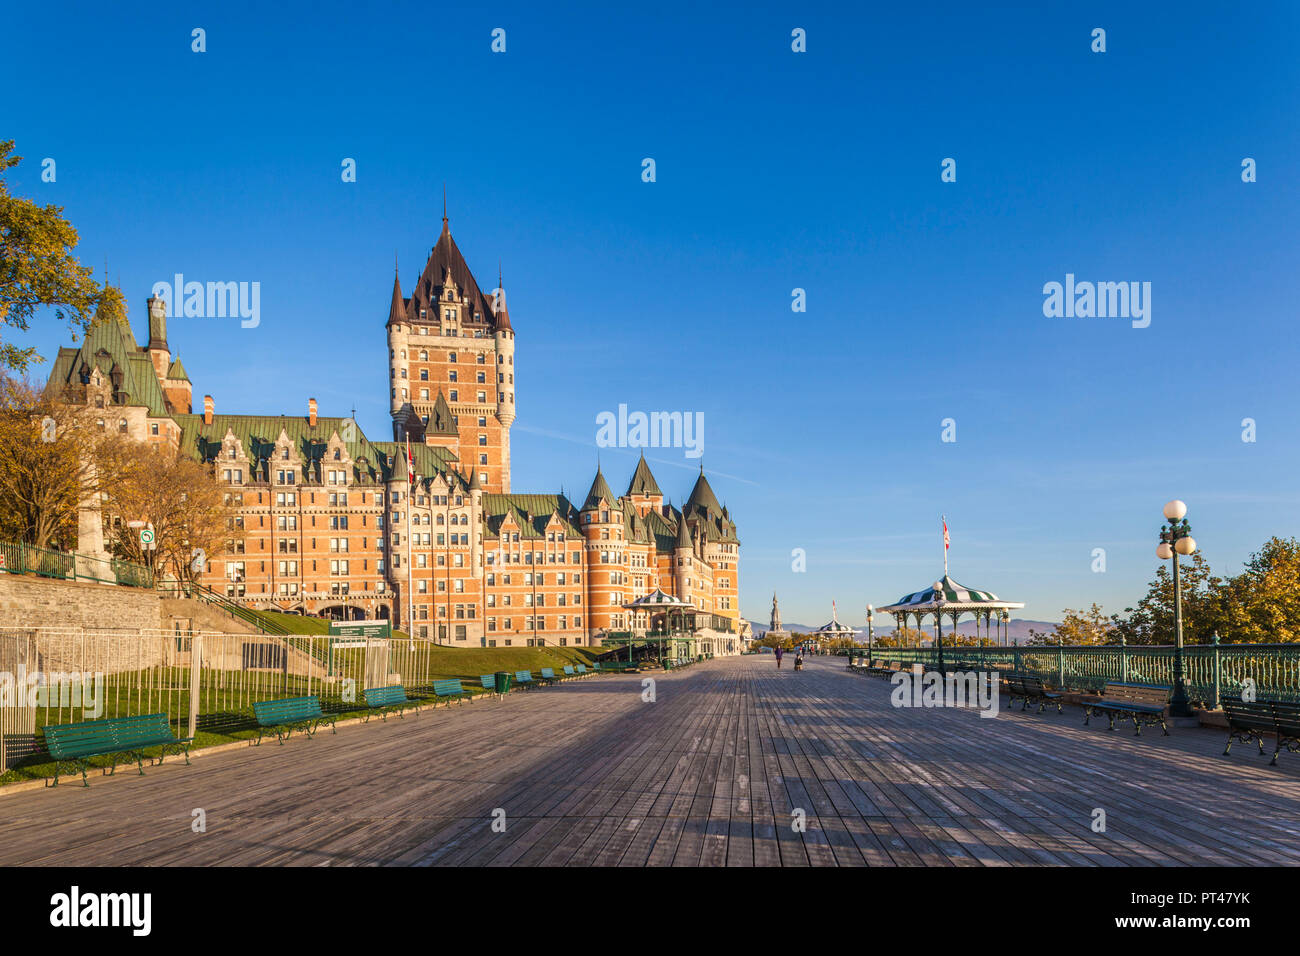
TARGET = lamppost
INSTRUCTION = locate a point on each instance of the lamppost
(1175, 539)
(938, 620)
(871, 632)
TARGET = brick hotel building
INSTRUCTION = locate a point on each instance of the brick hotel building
(325, 517)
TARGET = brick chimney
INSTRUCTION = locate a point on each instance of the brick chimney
(311, 412)
(207, 409)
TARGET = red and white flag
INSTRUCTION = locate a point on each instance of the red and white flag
(946, 543)
(410, 462)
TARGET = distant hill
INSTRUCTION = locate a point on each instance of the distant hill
(1019, 629)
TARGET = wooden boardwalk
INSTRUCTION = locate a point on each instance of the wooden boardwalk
(711, 774)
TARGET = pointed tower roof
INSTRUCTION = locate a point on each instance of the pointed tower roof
(599, 491)
(397, 310)
(177, 371)
(445, 258)
(442, 422)
(503, 316)
(703, 498)
(643, 482)
(683, 533)
(112, 308)
(474, 482)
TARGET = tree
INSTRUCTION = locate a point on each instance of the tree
(37, 268)
(1262, 604)
(1152, 621)
(1077, 627)
(46, 453)
(174, 493)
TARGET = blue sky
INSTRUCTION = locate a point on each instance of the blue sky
(775, 170)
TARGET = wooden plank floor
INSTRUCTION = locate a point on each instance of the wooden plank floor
(710, 774)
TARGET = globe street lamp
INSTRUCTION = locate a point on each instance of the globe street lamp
(871, 634)
(1175, 539)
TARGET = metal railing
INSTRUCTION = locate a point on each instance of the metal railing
(205, 681)
(1209, 670)
(17, 558)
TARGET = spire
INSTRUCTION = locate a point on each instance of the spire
(599, 492)
(643, 482)
(702, 497)
(683, 534)
(397, 309)
(445, 229)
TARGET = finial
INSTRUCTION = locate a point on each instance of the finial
(444, 206)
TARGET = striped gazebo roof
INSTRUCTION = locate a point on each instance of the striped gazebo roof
(656, 598)
(954, 597)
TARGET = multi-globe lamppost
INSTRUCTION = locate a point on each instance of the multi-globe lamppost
(1175, 539)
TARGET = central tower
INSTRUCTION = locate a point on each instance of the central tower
(451, 366)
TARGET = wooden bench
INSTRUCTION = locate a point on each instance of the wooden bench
(582, 670)
(451, 689)
(525, 679)
(288, 714)
(1027, 687)
(72, 745)
(1251, 720)
(489, 682)
(569, 671)
(547, 676)
(1142, 703)
(381, 700)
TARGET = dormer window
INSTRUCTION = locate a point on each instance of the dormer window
(284, 454)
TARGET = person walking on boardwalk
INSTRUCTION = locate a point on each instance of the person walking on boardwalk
(798, 660)
(779, 651)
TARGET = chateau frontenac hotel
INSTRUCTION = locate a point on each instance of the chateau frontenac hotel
(326, 518)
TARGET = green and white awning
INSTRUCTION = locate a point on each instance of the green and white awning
(657, 600)
(950, 597)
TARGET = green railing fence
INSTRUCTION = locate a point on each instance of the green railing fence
(18, 558)
(1210, 670)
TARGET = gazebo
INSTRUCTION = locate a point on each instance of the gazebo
(659, 608)
(953, 600)
(833, 629)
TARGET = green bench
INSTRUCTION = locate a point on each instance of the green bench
(381, 700)
(547, 676)
(72, 745)
(569, 671)
(288, 714)
(450, 689)
(489, 682)
(1027, 687)
(1251, 720)
(1141, 703)
(582, 670)
(525, 679)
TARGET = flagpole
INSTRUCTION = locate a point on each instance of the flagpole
(410, 586)
(945, 545)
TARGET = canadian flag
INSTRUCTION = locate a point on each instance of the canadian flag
(945, 533)
(410, 463)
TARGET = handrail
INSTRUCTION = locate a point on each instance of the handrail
(19, 558)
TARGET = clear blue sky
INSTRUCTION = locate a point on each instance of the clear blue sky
(775, 170)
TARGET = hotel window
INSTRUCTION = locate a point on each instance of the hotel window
(482, 396)
(424, 397)
(481, 378)
(424, 375)
(153, 428)
(451, 376)
(451, 356)
(453, 395)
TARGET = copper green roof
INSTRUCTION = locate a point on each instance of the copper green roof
(703, 498)
(643, 482)
(259, 433)
(109, 346)
(600, 492)
(177, 371)
(531, 512)
(441, 422)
